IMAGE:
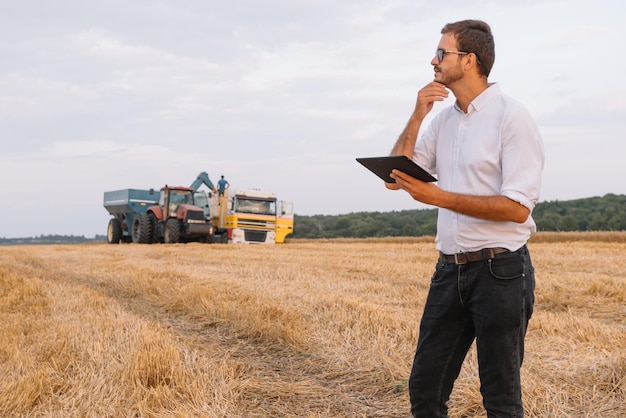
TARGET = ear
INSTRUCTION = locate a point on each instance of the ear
(474, 58)
(472, 61)
(468, 62)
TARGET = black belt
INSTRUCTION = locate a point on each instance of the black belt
(464, 258)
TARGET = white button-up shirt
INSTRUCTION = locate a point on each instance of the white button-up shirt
(494, 149)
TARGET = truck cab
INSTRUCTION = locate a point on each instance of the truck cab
(251, 216)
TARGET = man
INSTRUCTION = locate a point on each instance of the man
(488, 156)
(222, 185)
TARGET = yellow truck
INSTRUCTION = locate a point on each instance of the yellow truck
(245, 216)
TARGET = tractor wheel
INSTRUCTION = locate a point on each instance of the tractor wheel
(114, 231)
(172, 232)
(142, 229)
(154, 227)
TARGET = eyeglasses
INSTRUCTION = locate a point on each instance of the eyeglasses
(442, 52)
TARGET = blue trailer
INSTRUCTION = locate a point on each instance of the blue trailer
(124, 205)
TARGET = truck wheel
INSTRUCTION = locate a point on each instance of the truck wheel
(114, 231)
(172, 232)
(142, 229)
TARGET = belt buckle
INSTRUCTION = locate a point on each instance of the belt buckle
(456, 258)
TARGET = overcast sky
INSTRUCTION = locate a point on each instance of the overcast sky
(279, 95)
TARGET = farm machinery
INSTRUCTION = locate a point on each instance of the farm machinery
(143, 217)
(248, 216)
(184, 214)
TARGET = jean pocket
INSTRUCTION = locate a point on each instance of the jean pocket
(506, 268)
(437, 273)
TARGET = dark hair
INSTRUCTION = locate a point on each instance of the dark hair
(474, 36)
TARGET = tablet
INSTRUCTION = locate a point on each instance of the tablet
(382, 166)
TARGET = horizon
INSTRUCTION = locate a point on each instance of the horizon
(95, 236)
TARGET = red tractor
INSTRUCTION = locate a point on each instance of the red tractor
(173, 219)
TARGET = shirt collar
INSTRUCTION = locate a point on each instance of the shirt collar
(492, 90)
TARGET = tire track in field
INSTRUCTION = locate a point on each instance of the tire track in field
(281, 381)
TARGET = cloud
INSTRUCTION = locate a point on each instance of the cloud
(600, 111)
(281, 95)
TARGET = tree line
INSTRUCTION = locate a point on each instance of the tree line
(51, 239)
(606, 213)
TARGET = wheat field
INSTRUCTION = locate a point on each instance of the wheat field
(303, 329)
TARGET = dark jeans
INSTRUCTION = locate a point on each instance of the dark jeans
(490, 301)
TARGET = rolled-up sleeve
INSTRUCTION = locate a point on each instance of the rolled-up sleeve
(523, 158)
